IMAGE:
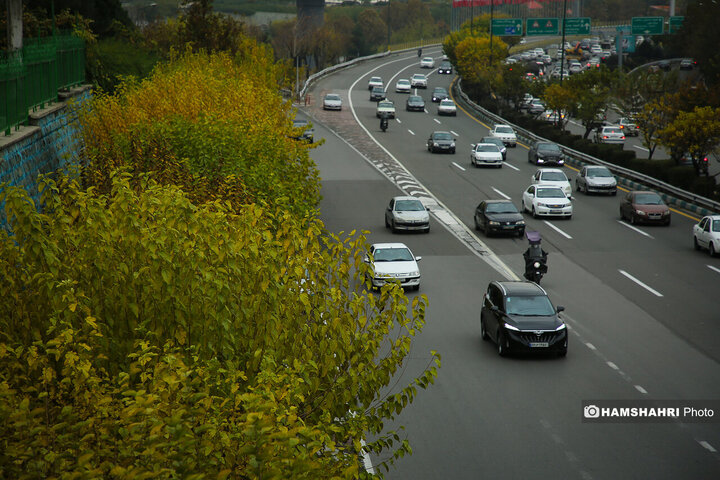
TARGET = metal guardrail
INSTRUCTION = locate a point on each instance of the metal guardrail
(673, 195)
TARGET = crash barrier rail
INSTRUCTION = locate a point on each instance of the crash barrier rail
(32, 76)
(673, 195)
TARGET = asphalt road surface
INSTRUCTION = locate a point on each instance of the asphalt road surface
(642, 306)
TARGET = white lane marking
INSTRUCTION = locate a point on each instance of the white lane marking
(411, 132)
(590, 346)
(641, 389)
(366, 459)
(613, 366)
(557, 230)
(506, 197)
(636, 229)
(453, 132)
(511, 166)
(641, 148)
(707, 445)
(461, 168)
(713, 268)
(397, 120)
(653, 291)
(425, 110)
(436, 120)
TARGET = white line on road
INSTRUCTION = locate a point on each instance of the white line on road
(590, 346)
(436, 120)
(557, 230)
(636, 229)
(707, 445)
(461, 168)
(641, 148)
(641, 389)
(511, 166)
(454, 133)
(411, 132)
(613, 366)
(397, 120)
(713, 268)
(425, 110)
(506, 197)
(653, 291)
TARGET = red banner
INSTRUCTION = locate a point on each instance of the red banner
(484, 3)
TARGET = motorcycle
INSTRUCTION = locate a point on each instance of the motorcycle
(535, 258)
(383, 123)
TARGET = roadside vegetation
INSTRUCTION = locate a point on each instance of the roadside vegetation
(176, 309)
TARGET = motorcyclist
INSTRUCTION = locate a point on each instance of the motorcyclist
(419, 52)
(535, 258)
(383, 121)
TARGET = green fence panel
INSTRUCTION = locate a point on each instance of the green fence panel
(39, 58)
(13, 102)
(70, 60)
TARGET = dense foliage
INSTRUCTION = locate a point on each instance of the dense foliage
(176, 310)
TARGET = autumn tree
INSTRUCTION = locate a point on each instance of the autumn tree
(560, 98)
(696, 132)
(591, 92)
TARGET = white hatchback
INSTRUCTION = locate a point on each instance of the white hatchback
(393, 262)
(418, 80)
(403, 86)
(427, 62)
(706, 234)
(553, 177)
(506, 134)
(546, 200)
(486, 154)
(447, 107)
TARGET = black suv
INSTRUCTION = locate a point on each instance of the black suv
(546, 153)
(519, 316)
(439, 93)
(499, 216)
(445, 67)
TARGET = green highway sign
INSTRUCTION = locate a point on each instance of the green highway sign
(647, 25)
(577, 26)
(542, 26)
(674, 24)
(507, 26)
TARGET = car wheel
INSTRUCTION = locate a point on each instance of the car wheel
(499, 165)
(392, 226)
(387, 225)
(483, 332)
(569, 217)
(711, 249)
(697, 245)
(563, 352)
(416, 288)
(427, 230)
(452, 151)
(477, 225)
(633, 221)
(614, 193)
(521, 233)
(668, 222)
(534, 213)
(502, 345)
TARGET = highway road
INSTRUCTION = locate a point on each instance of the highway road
(641, 304)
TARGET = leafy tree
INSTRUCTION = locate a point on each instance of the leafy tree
(369, 32)
(560, 98)
(699, 30)
(512, 83)
(473, 55)
(591, 92)
(145, 336)
(652, 119)
(696, 132)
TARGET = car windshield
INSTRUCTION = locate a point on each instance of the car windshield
(529, 306)
(548, 147)
(648, 199)
(442, 136)
(385, 104)
(403, 82)
(501, 207)
(553, 176)
(419, 76)
(332, 97)
(487, 148)
(503, 129)
(440, 90)
(409, 206)
(447, 103)
(550, 193)
(376, 80)
(598, 172)
(492, 140)
(300, 123)
(392, 255)
(415, 98)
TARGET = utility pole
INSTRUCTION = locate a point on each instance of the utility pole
(14, 25)
(562, 47)
(388, 26)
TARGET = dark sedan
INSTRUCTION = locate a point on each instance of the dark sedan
(518, 316)
(496, 141)
(415, 103)
(377, 94)
(499, 216)
(441, 142)
(306, 132)
(445, 68)
(640, 206)
(439, 93)
(546, 153)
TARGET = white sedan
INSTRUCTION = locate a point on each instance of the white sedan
(418, 80)
(385, 107)
(427, 62)
(706, 234)
(506, 134)
(447, 107)
(546, 200)
(553, 177)
(486, 154)
(403, 86)
(332, 101)
(393, 262)
(375, 82)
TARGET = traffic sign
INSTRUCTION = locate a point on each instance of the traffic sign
(507, 26)
(647, 25)
(542, 26)
(577, 26)
(675, 23)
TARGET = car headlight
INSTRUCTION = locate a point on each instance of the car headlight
(540, 204)
(510, 327)
(561, 327)
(640, 212)
(452, 144)
(520, 222)
(491, 222)
(435, 144)
(665, 214)
(414, 273)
